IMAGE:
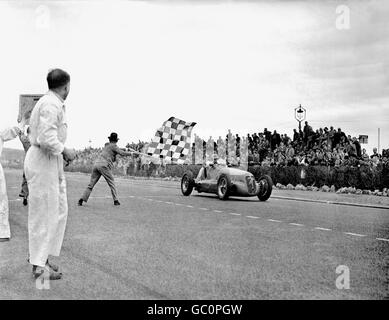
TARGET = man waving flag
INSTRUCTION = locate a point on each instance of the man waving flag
(172, 141)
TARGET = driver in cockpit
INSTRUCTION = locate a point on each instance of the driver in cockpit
(208, 165)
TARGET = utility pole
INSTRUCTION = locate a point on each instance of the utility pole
(378, 140)
(300, 115)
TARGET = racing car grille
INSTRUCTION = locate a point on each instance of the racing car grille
(251, 186)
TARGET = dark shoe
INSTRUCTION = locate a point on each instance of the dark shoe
(25, 201)
(116, 203)
(52, 266)
(80, 202)
(39, 271)
(4, 239)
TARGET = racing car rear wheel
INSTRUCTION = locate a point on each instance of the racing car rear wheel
(223, 187)
(265, 187)
(187, 183)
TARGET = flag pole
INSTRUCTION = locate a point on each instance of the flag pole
(140, 153)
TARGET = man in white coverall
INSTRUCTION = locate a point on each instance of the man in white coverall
(48, 208)
(5, 232)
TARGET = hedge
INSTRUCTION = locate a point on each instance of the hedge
(171, 170)
(363, 177)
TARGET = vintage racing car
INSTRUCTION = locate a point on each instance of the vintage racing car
(227, 181)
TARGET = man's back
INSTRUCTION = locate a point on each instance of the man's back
(108, 155)
(48, 127)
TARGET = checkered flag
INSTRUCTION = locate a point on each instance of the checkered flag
(172, 141)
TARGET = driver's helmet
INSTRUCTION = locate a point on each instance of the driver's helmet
(215, 158)
(208, 163)
(221, 162)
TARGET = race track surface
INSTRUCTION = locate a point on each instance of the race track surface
(161, 245)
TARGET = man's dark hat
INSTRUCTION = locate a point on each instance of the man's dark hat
(113, 137)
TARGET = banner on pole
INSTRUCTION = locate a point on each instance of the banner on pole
(27, 102)
(363, 139)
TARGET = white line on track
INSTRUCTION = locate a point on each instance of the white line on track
(355, 234)
(231, 213)
(100, 197)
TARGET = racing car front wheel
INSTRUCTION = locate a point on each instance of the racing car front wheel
(187, 183)
(265, 187)
(223, 187)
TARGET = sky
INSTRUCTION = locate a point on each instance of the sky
(239, 65)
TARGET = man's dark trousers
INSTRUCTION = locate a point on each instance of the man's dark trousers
(97, 172)
(24, 191)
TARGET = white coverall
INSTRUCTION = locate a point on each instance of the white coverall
(5, 135)
(48, 208)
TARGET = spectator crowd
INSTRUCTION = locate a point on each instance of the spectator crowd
(329, 147)
(323, 146)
